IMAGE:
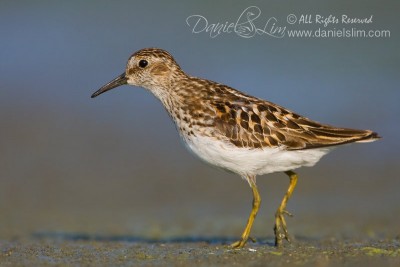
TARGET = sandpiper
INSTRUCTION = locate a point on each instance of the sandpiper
(235, 131)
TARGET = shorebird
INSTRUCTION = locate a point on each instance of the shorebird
(235, 131)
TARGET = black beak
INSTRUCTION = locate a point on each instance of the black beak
(120, 80)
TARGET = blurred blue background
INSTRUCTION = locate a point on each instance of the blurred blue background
(115, 164)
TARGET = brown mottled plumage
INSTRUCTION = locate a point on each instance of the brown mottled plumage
(235, 131)
(251, 122)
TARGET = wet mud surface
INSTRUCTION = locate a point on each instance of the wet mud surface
(63, 251)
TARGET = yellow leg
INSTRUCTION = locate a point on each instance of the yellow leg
(256, 205)
(280, 223)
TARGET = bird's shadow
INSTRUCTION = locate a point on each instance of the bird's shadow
(77, 236)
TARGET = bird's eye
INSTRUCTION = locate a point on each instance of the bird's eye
(143, 63)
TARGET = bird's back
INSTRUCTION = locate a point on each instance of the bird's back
(250, 122)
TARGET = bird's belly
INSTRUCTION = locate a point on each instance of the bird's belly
(245, 161)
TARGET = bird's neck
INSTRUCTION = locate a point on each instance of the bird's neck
(182, 101)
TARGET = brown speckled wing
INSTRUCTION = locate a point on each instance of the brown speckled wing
(254, 123)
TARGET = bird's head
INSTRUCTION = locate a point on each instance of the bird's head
(151, 68)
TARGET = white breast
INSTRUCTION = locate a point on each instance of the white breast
(251, 162)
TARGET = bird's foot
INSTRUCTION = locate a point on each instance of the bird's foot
(240, 243)
(280, 228)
